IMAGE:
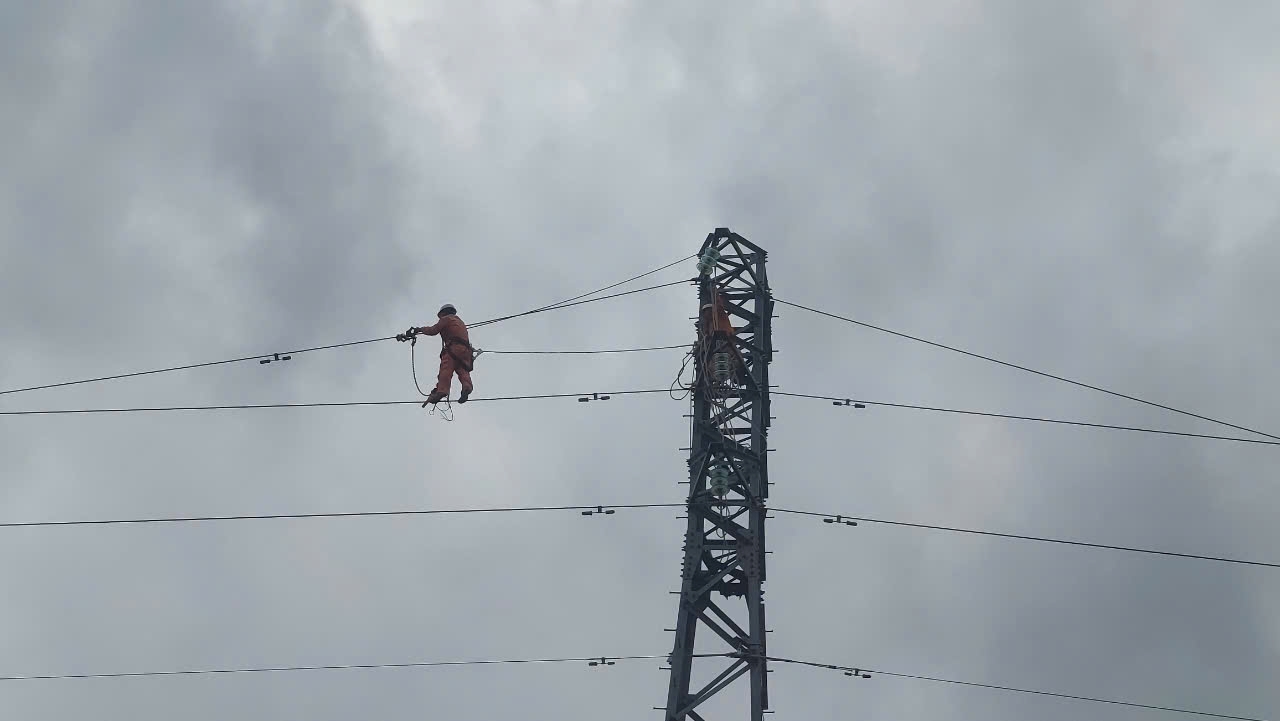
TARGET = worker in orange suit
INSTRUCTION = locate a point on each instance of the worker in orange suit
(718, 330)
(456, 353)
(715, 317)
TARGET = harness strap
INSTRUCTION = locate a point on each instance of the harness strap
(467, 365)
(458, 341)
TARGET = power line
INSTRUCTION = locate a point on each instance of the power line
(588, 352)
(592, 660)
(595, 661)
(69, 411)
(345, 404)
(609, 509)
(863, 672)
(853, 520)
(586, 510)
(566, 302)
(1029, 370)
(243, 359)
(609, 394)
(272, 357)
(1058, 421)
(191, 366)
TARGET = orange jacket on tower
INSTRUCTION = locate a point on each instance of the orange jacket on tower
(715, 318)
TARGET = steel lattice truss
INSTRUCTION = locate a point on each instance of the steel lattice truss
(724, 552)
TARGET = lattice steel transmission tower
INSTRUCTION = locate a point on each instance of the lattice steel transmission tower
(724, 552)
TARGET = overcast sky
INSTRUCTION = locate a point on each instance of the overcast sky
(1087, 188)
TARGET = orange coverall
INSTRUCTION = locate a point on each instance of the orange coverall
(715, 319)
(456, 354)
(718, 319)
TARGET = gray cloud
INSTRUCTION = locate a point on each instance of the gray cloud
(1086, 191)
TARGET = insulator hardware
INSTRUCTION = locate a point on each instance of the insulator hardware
(857, 672)
(708, 261)
(599, 509)
(719, 481)
(721, 368)
(593, 397)
(840, 519)
(275, 357)
(847, 402)
(602, 662)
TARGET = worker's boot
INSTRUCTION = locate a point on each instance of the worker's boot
(433, 398)
(466, 393)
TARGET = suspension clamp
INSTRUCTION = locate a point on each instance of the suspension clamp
(601, 662)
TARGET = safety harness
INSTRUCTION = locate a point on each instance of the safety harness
(467, 365)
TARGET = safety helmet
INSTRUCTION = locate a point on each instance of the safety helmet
(446, 309)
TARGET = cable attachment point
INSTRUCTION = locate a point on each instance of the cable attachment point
(719, 480)
(602, 662)
(840, 519)
(856, 672)
(722, 370)
(847, 402)
(599, 509)
(593, 397)
(275, 357)
(708, 260)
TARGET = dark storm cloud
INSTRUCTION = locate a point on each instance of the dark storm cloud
(187, 162)
(1021, 179)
